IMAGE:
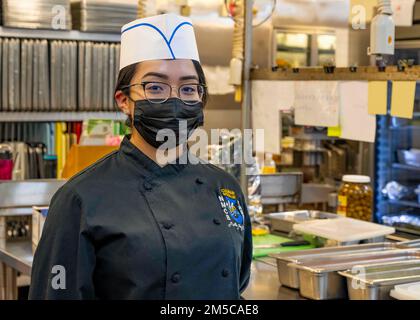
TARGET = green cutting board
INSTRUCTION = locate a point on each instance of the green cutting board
(273, 239)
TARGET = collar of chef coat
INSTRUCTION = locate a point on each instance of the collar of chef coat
(130, 151)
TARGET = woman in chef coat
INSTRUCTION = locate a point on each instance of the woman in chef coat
(132, 226)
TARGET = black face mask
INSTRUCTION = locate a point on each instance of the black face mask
(172, 115)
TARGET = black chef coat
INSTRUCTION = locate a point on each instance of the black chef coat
(126, 228)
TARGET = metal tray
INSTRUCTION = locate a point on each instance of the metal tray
(374, 282)
(284, 221)
(319, 278)
(410, 244)
(289, 276)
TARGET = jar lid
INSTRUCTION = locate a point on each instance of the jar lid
(356, 178)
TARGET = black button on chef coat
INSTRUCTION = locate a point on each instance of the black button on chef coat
(125, 228)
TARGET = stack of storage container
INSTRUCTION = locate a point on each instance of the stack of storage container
(39, 14)
(103, 15)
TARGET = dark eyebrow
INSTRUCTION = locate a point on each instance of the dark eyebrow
(189, 78)
(156, 74)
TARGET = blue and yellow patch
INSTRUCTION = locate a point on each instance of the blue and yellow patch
(231, 208)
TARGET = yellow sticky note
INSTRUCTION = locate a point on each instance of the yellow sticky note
(334, 131)
(402, 102)
(377, 97)
(238, 94)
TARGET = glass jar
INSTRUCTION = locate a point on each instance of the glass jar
(355, 197)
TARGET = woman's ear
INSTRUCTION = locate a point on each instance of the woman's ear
(123, 102)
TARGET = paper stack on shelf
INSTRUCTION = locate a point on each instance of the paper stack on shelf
(10, 74)
(37, 14)
(103, 15)
(98, 70)
(55, 75)
(63, 61)
(24, 75)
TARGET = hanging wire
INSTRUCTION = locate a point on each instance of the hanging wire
(273, 9)
(238, 34)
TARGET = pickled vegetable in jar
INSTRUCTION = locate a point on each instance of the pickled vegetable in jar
(355, 197)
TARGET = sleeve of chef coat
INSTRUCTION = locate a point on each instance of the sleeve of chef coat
(64, 246)
(247, 250)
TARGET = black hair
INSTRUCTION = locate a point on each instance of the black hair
(127, 73)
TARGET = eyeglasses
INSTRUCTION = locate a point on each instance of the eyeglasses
(159, 92)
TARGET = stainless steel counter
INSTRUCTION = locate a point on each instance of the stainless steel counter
(18, 256)
(14, 258)
(263, 285)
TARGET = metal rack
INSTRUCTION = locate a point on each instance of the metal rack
(338, 74)
(74, 35)
(52, 116)
(59, 116)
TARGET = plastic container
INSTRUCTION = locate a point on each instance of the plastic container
(269, 166)
(408, 291)
(355, 197)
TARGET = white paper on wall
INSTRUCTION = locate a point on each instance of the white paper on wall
(217, 78)
(276, 94)
(403, 12)
(355, 121)
(316, 103)
(268, 99)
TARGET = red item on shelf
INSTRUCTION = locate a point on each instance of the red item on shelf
(6, 169)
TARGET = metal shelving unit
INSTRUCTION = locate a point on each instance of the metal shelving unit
(405, 167)
(69, 35)
(405, 203)
(73, 35)
(59, 116)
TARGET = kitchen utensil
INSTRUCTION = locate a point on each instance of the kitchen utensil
(374, 282)
(269, 244)
(289, 276)
(319, 279)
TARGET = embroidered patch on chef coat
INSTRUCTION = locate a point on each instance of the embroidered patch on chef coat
(232, 209)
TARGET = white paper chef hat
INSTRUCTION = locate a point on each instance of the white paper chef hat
(166, 36)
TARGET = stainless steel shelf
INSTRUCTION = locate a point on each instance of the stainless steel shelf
(59, 116)
(410, 127)
(405, 167)
(18, 256)
(405, 203)
(407, 33)
(314, 136)
(58, 35)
